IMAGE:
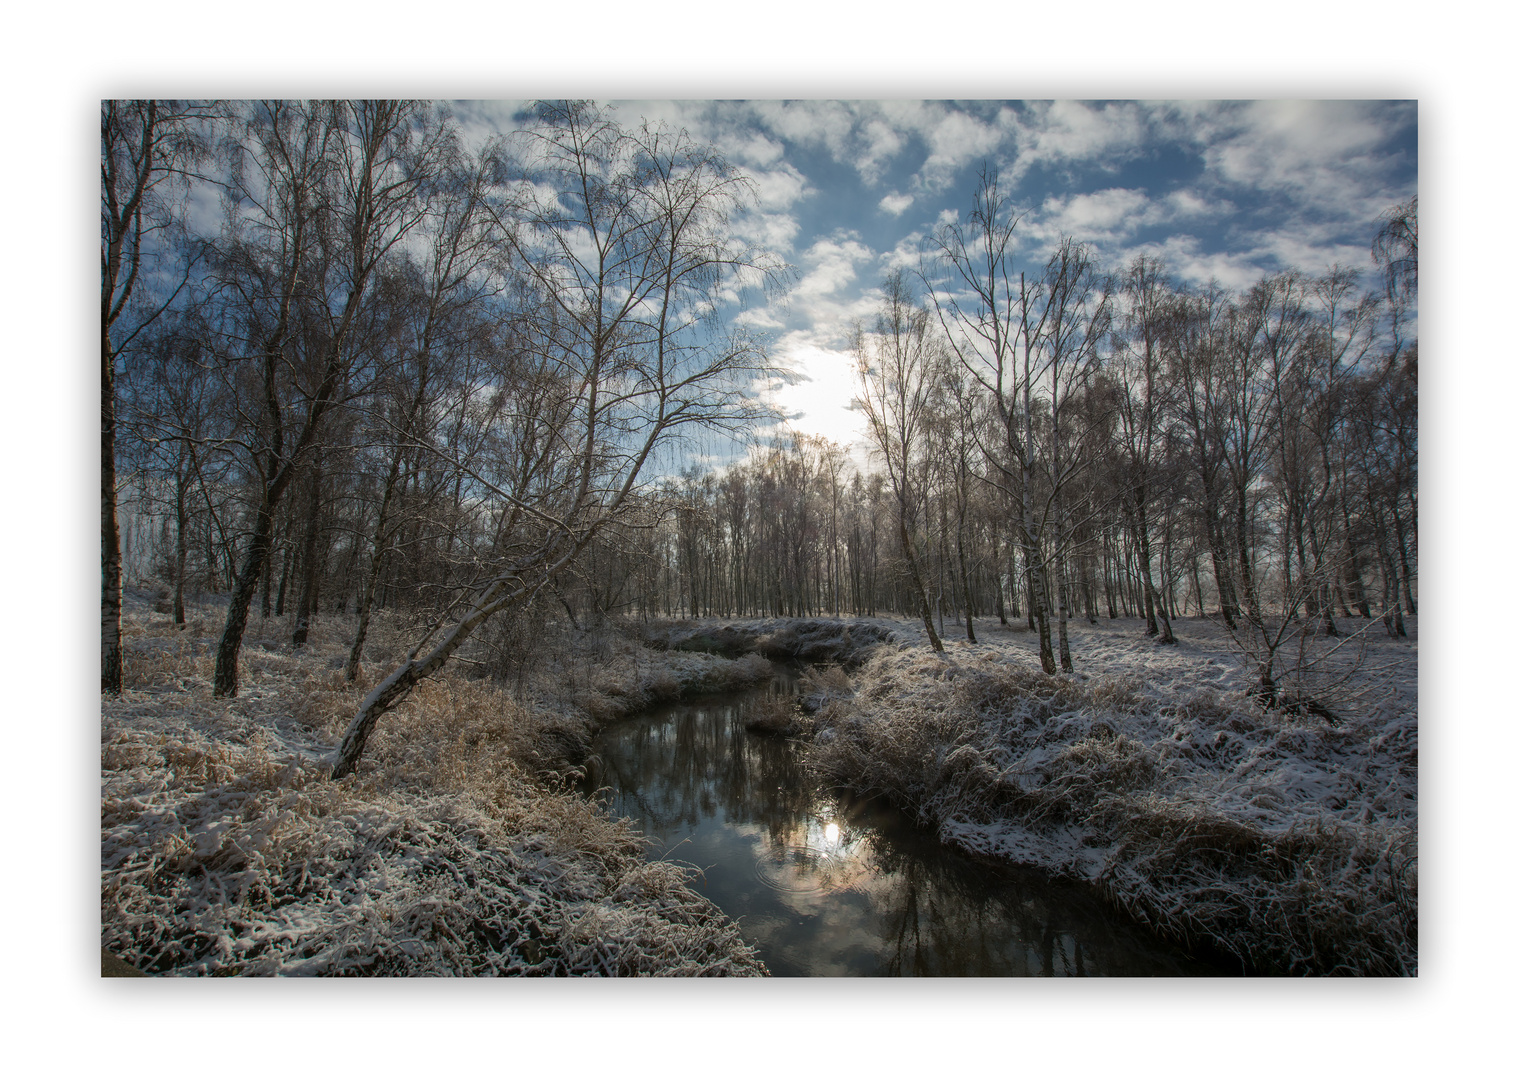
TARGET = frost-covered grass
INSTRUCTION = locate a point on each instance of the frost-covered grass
(813, 639)
(1288, 840)
(457, 848)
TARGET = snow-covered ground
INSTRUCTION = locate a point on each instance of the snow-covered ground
(1287, 838)
(455, 850)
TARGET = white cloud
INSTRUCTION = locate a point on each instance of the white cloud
(955, 140)
(905, 256)
(779, 189)
(1327, 157)
(1184, 203)
(882, 143)
(755, 149)
(829, 296)
(771, 232)
(1099, 214)
(1184, 257)
(1310, 251)
(894, 203)
(809, 123)
(833, 260)
(1075, 132)
(767, 223)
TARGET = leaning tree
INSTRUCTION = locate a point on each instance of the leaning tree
(623, 239)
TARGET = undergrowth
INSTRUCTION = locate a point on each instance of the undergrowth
(459, 848)
(1285, 840)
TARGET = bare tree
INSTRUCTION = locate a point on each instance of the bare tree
(322, 192)
(1142, 412)
(1396, 249)
(145, 146)
(445, 296)
(625, 237)
(897, 364)
(1075, 320)
(990, 318)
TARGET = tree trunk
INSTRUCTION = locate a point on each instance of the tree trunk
(970, 630)
(1247, 576)
(997, 574)
(1154, 603)
(306, 605)
(181, 544)
(225, 681)
(1038, 613)
(917, 581)
(110, 533)
(1062, 593)
(1408, 596)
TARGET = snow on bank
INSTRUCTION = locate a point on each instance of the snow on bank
(225, 848)
(1287, 840)
(816, 640)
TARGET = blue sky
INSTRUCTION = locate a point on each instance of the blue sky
(848, 190)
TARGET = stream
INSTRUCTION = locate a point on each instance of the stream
(823, 883)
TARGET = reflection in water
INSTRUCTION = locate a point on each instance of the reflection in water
(824, 884)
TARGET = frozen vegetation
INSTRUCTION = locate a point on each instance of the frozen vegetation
(457, 849)
(1287, 839)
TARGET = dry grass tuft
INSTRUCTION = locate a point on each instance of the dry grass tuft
(776, 716)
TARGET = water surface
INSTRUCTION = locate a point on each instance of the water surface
(826, 884)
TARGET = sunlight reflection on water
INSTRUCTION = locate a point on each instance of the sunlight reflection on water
(823, 884)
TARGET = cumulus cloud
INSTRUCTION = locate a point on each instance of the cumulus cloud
(1318, 158)
(809, 123)
(1185, 258)
(1099, 214)
(770, 232)
(778, 189)
(869, 136)
(1184, 204)
(905, 256)
(1067, 133)
(1242, 188)
(829, 295)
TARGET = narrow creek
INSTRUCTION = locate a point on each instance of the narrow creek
(826, 884)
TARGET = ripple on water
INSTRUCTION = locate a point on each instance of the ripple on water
(801, 870)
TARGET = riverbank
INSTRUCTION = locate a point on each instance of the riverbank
(1286, 839)
(458, 848)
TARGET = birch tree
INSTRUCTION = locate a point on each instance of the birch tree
(145, 147)
(321, 194)
(625, 238)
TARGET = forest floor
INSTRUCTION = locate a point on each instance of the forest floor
(1286, 837)
(460, 846)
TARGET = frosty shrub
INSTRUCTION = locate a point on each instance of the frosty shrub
(1282, 838)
